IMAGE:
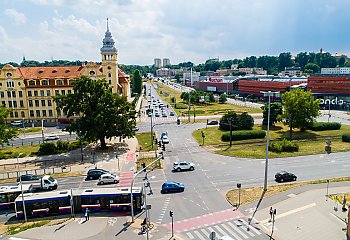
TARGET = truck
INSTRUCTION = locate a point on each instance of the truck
(45, 182)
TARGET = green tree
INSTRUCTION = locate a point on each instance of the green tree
(102, 114)
(246, 122)
(285, 60)
(301, 108)
(137, 82)
(177, 77)
(211, 97)
(6, 133)
(223, 98)
(313, 67)
(302, 59)
(275, 112)
(226, 119)
(341, 61)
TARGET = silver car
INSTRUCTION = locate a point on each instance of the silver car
(108, 178)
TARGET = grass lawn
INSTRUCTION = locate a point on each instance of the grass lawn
(157, 165)
(200, 109)
(13, 152)
(310, 142)
(20, 227)
(144, 140)
(29, 130)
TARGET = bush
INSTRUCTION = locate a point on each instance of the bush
(239, 122)
(323, 126)
(62, 146)
(74, 145)
(283, 146)
(243, 135)
(345, 137)
(181, 106)
(47, 149)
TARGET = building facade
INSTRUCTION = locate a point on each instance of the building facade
(166, 62)
(335, 71)
(158, 62)
(29, 91)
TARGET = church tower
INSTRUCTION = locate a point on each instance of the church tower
(110, 61)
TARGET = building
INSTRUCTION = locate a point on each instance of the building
(257, 71)
(166, 62)
(217, 84)
(291, 72)
(158, 62)
(29, 91)
(163, 72)
(190, 76)
(335, 71)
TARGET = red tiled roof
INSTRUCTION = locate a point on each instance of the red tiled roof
(50, 72)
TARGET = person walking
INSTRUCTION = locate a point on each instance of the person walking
(271, 213)
(87, 214)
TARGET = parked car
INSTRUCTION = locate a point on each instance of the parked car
(157, 114)
(39, 183)
(284, 176)
(17, 123)
(168, 187)
(184, 165)
(135, 129)
(165, 139)
(108, 178)
(172, 114)
(164, 114)
(51, 138)
(213, 122)
(95, 173)
(150, 114)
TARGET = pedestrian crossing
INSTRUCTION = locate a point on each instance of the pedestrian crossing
(237, 229)
(159, 119)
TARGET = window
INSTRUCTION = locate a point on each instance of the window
(43, 103)
(50, 113)
(15, 104)
(31, 113)
(48, 93)
(11, 114)
(59, 82)
(19, 83)
(20, 94)
(10, 84)
(44, 113)
(109, 75)
(10, 104)
(30, 93)
(71, 82)
(37, 113)
(37, 103)
(42, 93)
(58, 113)
(3, 103)
(8, 74)
(21, 103)
(31, 83)
(92, 72)
(35, 93)
(2, 94)
(14, 94)
(69, 91)
(110, 82)
(49, 103)
(63, 92)
(9, 94)
(30, 103)
(57, 93)
(44, 83)
(23, 114)
(16, 114)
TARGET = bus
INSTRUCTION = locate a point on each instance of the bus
(77, 200)
(8, 194)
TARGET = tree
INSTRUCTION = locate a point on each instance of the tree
(302, 59)
(246, 122)
(341, 61)
(211, 97)
(6, 133)
(275, 112)
(313, 67)
(300, 108)
(101, 113)
(177, 77)
(223, 98)
(226, 119)
(285, 60)
(137, 82)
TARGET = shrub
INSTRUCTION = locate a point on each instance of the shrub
(74, 145)
(181, 106)
(283, 146)
(47, 148)
(243, 135)
(345, 137)
(323, 126)
(62, 146)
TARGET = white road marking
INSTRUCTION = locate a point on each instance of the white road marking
(250, 227)
(199, 235)
(239, 223)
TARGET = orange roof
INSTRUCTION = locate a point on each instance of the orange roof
(122, 77)
(50, 72)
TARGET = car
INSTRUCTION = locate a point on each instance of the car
(163, 134)
(165, 139)
(284, 176)
(183, 165)
(28, 177)
(172, 114)
(95, 173)
(157, 114)
(17, 123)
(51, 138)
(164, 114)
(150, 114)
(135, 129)
(169, 187)
(108, 178)
(213, 122)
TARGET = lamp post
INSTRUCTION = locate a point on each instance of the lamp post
(20, 182)
(268, 94)
(42, 129)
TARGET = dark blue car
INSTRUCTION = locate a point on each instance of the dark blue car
(168, 187)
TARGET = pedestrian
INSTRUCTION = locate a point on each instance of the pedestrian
(271, 213)
(87, 214)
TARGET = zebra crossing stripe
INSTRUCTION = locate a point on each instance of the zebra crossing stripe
(223, 233)
(250, 227)
(190, 236)
(199, 235)
(206, 233)
(236, 227)
(232, 232)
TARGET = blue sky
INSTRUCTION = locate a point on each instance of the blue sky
(182, 30)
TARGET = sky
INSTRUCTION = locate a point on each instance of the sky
(181, 30)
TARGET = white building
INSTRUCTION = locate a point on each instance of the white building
(187, 76)
(339, 70)
(158, 62)
(291, 72)
(164, 72)
(166, 62)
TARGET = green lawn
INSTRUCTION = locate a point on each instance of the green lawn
(144, 140)
(13, 152)
(310, 142)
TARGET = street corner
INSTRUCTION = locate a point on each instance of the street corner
(155, 231)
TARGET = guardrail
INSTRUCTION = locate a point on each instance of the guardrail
(44, 171)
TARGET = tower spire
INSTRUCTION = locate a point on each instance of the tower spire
(107, 25)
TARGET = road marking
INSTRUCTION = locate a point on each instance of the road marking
(250, 227)
(239, 224)
(229, 230)
(15, 238)
(199, 235)
(290, 212)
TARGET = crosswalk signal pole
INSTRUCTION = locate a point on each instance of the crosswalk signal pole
(172, 223)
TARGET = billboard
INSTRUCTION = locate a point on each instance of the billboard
(212, 89)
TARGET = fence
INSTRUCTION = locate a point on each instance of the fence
(35, 172)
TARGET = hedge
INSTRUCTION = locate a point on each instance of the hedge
(345, 137)
(283, 146)
(181, 106)
(243, 135)
(323, 126)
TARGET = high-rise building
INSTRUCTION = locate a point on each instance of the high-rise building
(158, 62)
(29, 91)
(166, 62)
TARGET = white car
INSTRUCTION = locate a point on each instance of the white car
(108, 178)
(17, 123)
(51, 137)
(165, 139)
(180, 166)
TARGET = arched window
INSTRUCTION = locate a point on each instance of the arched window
(59, 82)
(109, 74)
(23, 114)
(44, 83)
(71, 82)
(31, 83)
(92, 73)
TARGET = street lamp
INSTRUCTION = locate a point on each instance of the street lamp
(268, 94)
(20, 182)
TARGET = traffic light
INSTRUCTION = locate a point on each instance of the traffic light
(239, 185)
(156, 141)
(203, 136)
(171, 213)
(143, 166)
(163, 147)
(159, 144)
(178, 121)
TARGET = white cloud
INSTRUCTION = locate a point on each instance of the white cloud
(18, 17)
(72, 23)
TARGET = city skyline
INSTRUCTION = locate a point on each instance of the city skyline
(193, 31)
